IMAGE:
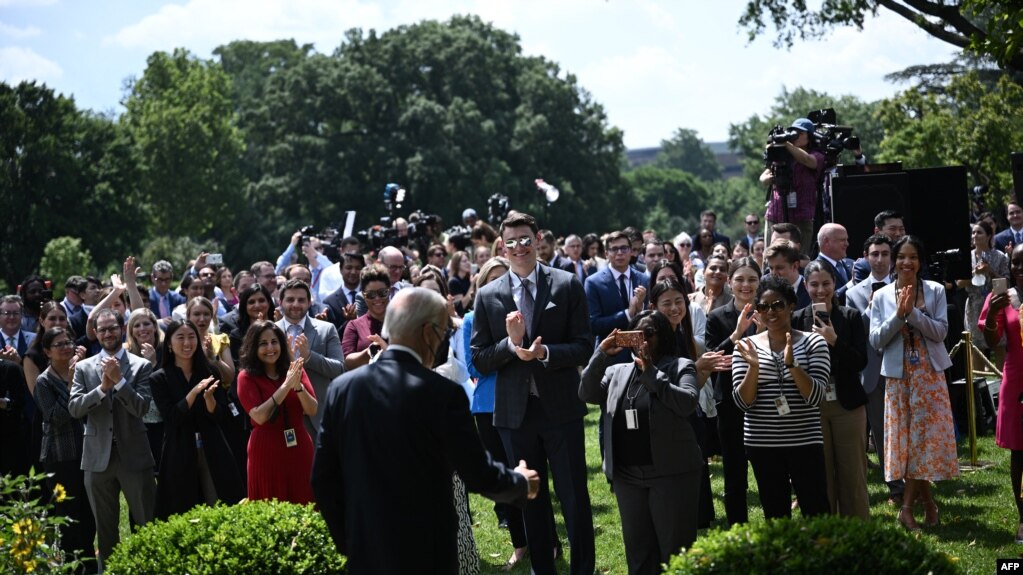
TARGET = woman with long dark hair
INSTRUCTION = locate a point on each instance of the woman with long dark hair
(276, 393)
(1001, 318)
(62, 438)
(196, 464)
(651, 452)
(725, 326)
(843, 415)
(908, 324)
(988, 263)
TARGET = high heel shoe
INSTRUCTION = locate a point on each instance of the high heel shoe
(908, 522)
(931, 518)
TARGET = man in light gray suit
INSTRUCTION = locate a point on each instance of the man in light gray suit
(313, 340)
(877, 251)
(111, 390)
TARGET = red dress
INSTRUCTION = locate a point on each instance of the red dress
(1008, 430)
(276, 471)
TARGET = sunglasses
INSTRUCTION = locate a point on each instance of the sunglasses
(524, 241)
(377, 294)
(685, 245)
(775, 306)
(751, 222)
(619, 250)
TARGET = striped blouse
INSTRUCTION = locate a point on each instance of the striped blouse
(764, 426)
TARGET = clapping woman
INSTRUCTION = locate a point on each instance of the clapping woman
(144, 339)
(779, 378)
(276, 393)
(908, 324)
(652, 455)
(196, 465)
(843, 415)
(61, 452)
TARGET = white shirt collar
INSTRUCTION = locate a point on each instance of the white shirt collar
(119, 355)
(300, 325)
(407, 350)
(615, 273)
(517, 281)
(834, 263)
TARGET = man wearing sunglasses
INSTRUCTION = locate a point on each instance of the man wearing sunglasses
(532, 329)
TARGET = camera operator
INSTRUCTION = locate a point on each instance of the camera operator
(311, 248)
(806, 166)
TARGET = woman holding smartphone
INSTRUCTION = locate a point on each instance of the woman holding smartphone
(843, 415)
(1001, 318)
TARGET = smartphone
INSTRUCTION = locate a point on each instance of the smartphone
(215, 259)
(632, 339)
(821, 311)
(999, 285)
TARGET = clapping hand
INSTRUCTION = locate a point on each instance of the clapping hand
(788, 349)
(748, 352)
(638, 298)
(148, 351)
(713, 361)
(293, 381)
(907, 297)
(534, 351)
(515, 325)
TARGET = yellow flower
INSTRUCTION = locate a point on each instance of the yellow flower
(59, 493)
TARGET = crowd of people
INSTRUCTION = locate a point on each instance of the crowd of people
(386, 385)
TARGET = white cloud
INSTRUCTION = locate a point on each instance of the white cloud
(17, 64)
(18, 33)
(202, 25)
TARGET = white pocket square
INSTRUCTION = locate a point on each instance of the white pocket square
(550, 305)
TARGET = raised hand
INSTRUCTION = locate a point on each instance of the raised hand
(825, 329)
(515, 325)
(294, 378)
(748, 352)
(714, 361)
(608, 344)
(788, 348)
(130, 271)
(907, 297)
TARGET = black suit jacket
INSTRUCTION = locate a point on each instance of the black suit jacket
(335, 304)
(391, 436)
(848, 356)
(562, 321)
(721, 324)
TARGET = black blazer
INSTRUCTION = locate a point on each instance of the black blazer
(721, 322)
(562, 321)
(178, 486)
(848, 357)
(673, 394)
(392, 434)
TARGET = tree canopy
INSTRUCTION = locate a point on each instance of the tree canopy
(992, 28)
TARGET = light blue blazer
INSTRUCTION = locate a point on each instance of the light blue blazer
(931, 321)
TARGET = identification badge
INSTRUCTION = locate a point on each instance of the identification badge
(631, 419)
(830, 394)
(290, 439)
(782, 405)
(791, 199)
(234, 409)
(914, 357)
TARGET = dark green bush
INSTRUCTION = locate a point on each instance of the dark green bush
(832, 545)
(252, 537)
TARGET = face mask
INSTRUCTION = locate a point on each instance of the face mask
(440, 354)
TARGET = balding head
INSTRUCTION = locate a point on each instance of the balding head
(394, 260)
(416, 318)
(833, 240)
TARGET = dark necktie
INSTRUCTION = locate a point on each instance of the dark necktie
(351, 296)
(1019, 237)
(623, 292)
(526, 307)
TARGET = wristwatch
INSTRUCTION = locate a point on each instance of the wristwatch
(795, 362)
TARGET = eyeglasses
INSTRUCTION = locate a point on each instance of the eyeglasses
(62, 344)
(437, 254)
(207, 275)
(751, 222)
(524, 241)
(395, 268)
(10, 313)
(619, 250)
(377, 294)
(110, 329)
(685, 245)
(775, 306)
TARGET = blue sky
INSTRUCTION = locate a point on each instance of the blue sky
(654, 65)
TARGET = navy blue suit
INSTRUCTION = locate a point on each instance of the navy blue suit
(174, 299)
(604, 300)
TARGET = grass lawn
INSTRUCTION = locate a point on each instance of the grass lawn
(978, 517)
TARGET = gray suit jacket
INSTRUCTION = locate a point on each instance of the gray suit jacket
(325, 361)
(858, 298)
(932, 322)
(117, 414)
(561, 320)
(672, 387)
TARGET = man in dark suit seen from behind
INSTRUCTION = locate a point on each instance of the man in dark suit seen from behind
(532, 330)
(384, 488)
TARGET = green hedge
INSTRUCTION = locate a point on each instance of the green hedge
(252, 537)
(831, 545)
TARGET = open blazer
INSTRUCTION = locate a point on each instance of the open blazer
(931, 321)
